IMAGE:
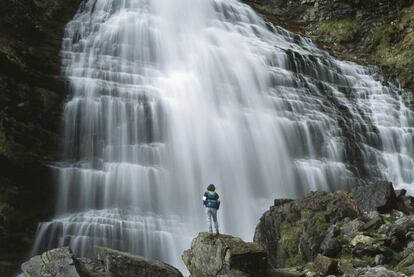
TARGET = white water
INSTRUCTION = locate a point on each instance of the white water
(167, 96)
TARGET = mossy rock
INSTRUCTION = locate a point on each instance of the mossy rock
(293, 232)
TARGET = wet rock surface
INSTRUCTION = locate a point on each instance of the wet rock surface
(224, 255)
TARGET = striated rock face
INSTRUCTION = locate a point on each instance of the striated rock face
(293, 232)
(373, 32)
(224, 255)
(119, 264)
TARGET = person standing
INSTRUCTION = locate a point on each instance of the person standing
(212, 203)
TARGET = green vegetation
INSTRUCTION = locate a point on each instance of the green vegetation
(340, 30)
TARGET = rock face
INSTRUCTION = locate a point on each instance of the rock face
(118, 264)
(57, 262)
(31, 96)
(294, 231)
(371, 32)
(353, 234)
(224, 255)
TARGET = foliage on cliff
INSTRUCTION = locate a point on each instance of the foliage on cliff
(368, 32)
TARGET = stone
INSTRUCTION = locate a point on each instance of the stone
(408, 250)
(279, 202)
(362, 239)
(350, 229)
(378, 271)
(345, 267)
(285, 272)
(405, 204)
(361, 250)
(400, 192)
(117, 264)
(379, 259)
(212, 255)
(292, 233)
(56, 262)
(374, 223)
(373, 196)
(331, 246)
(325, 265)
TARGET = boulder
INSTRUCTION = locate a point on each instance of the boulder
(211, 255)
(373, 196)
(117, 264)
(331, 246)
(374, 223)
(285, 272)
(405, 204)
(351, 228)
(292, 233)
(408, 250)
(378, 271)
(325, 265)
(346, 267)
(56, 262)
(362, 239)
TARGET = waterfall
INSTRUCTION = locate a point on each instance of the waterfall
(168, 96)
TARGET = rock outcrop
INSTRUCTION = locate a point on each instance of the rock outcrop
(60, 262)
(294, 231)
(368, 232)
(31, 97)
(224, 255)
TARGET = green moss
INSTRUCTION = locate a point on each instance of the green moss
(288, 243)
(340, 30)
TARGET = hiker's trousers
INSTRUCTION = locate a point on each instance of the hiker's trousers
(212, 216)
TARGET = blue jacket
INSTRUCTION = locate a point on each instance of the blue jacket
(211, 200)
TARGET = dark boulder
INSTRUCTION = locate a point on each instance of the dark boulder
(405, 204)
(331, 246)
(117, 264)
(373, 196)
(325, 265)
(293, 232)
(224, 255)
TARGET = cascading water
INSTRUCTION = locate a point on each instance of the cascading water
(169, 96)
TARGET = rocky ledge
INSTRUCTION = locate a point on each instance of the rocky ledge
(366, 232)
(224, 255)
